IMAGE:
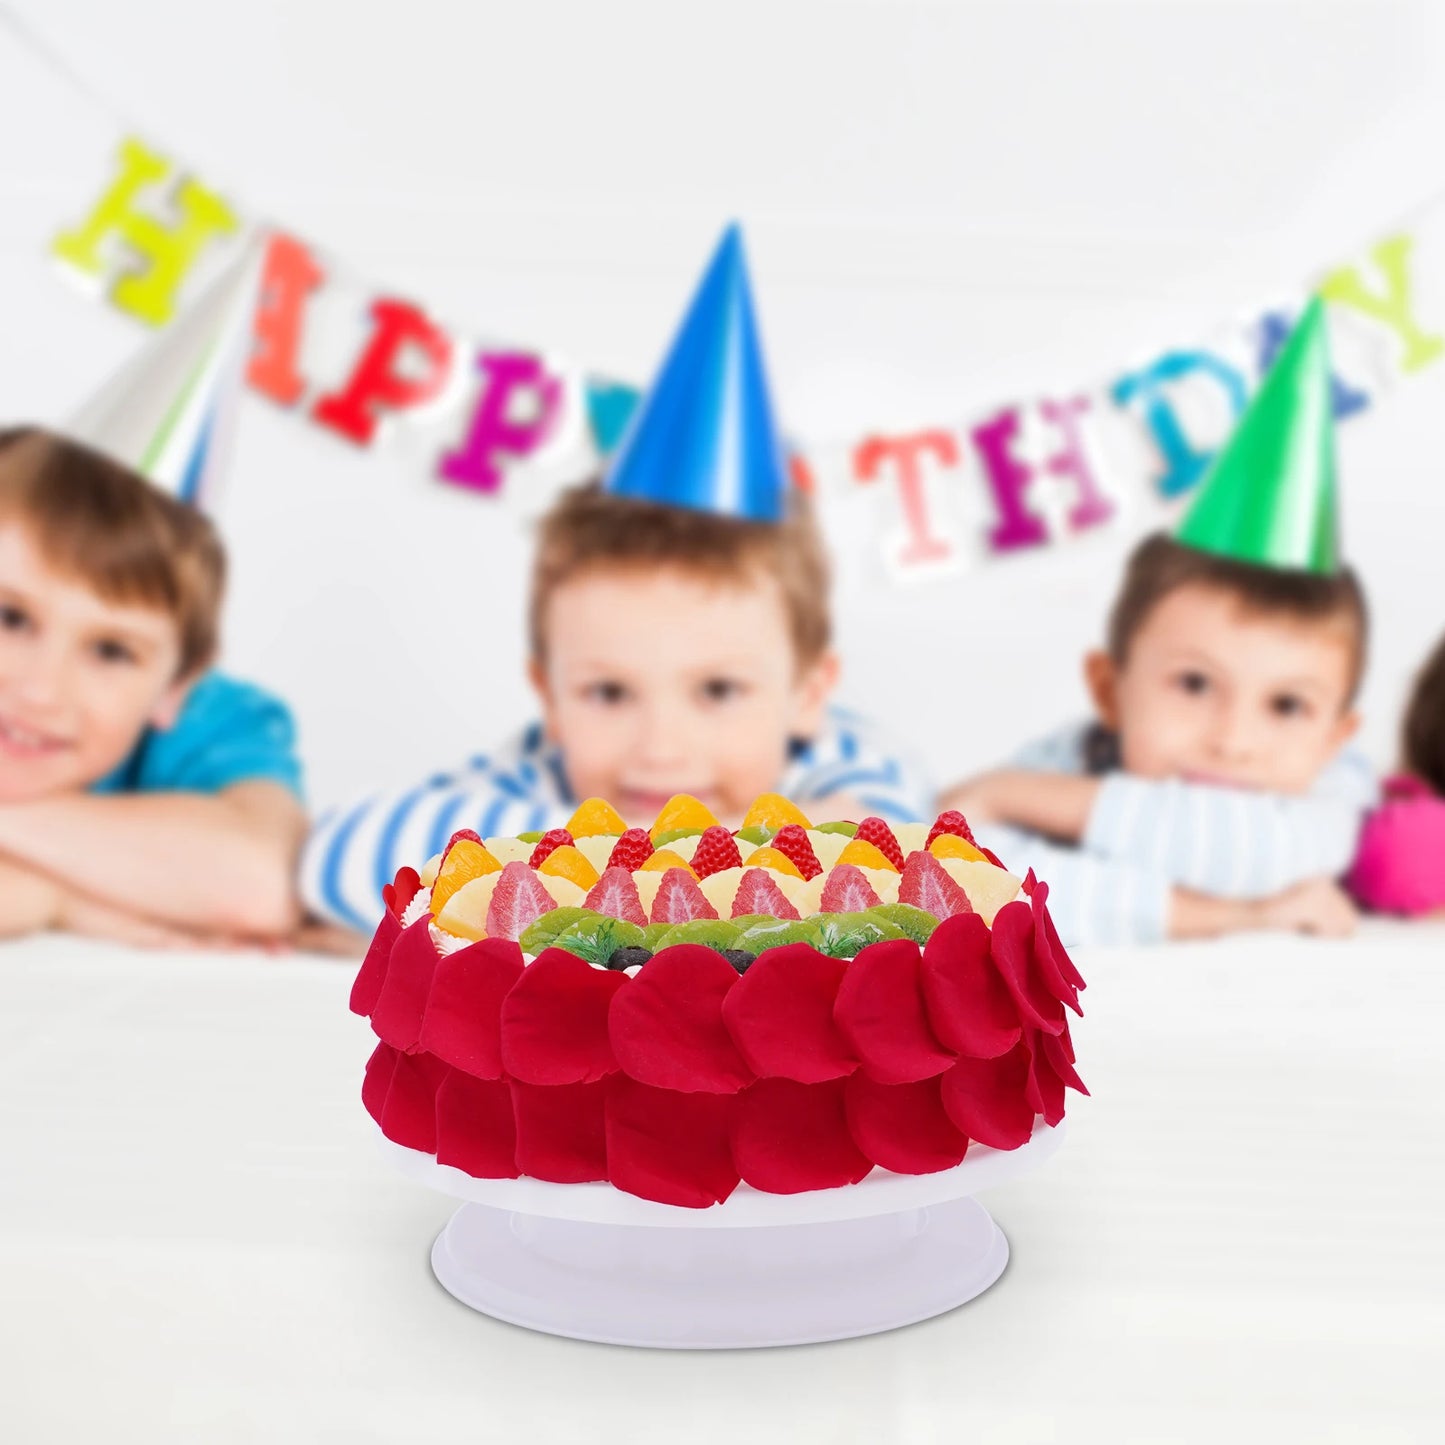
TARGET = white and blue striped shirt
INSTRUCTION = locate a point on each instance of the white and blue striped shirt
(1145, 837)
(354, 850)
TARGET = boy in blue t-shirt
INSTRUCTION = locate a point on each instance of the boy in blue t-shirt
(143, 797)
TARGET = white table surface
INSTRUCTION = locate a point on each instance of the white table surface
(1242, 1238)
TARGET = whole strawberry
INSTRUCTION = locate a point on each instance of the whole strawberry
(716, 849)
(880, 835)
(548, 844)
(631, 850)
(951, 822)
(792, 842)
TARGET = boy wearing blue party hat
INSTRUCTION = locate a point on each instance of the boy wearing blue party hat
(679, 637)
(144, 797)
(1214, 791)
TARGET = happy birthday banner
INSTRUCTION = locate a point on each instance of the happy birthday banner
(368, 367)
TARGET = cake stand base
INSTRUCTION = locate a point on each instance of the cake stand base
(708, 1288)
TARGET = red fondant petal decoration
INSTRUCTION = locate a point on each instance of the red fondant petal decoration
(1045, 1091)
(475, 1129)
(402, 1002)
(1060, 1054)
(880, 1012)
(969, 1005)
(1013, 956)
(463, 1020)
(987, 1099)
(1054, 957)
(790, 1137)
(561, 1131)
(404, 887)
(667, 1024)
(554, 1021)
(366, 987)
(674, 1148)
(780, 1015)
(409, 1116)
(377, 1081)
(903, 1127)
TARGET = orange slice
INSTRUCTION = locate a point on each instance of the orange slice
(948, 845)
(465, 860)
(772, 858)
(570, 863)
(664, 859)
(774, 811)
(596, 816)
(681, 810)
(865, 855)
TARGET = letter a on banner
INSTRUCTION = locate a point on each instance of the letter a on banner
(160, 219)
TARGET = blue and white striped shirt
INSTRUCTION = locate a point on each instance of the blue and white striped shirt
(354, 850)
(1145, 837)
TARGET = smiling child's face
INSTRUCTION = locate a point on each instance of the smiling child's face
(657, 683)
(80, 677)
(1212, 691)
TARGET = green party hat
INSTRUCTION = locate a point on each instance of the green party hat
(1269, 497)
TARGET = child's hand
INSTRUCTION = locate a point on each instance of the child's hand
(1318, 906)
(1055, 804)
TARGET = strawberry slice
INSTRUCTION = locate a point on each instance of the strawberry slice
(679, 899)
(615, 894)
(631, 850)
(518, 901)
(926, 884)
(847, 891)
(757, 893)
(875, 831)
(548, 844)
(792, 842)
(951, 822)
(716, 849)
(456, 838)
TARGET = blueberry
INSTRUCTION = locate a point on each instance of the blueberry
(740, 958)
(629, 957)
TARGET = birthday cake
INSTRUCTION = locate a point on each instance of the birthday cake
(683, 1009)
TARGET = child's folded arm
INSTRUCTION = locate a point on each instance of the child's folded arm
(29, 900)
(220, 862)
(354, 851)
(1093, 900)
(851, 770)
(1227, 842)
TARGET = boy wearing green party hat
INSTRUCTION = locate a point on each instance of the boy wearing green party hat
(144, 796)
(1213, 792)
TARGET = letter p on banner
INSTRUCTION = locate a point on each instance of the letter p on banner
(145, 233)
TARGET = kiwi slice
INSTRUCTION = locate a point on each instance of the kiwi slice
(546, 930)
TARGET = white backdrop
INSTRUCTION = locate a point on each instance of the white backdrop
(947, 205)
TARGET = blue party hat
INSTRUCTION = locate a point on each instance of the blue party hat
(704, 435)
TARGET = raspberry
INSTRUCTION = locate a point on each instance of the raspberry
(716, 849)
(951, 822)
(456, 838)
(792, 842)
(631, 850)
(555, 838)
(880, 835)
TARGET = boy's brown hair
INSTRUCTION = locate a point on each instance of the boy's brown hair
(590, 528)
(1425, 723)
(1159, 565)
(102, 523)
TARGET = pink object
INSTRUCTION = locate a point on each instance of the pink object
(1400, 862)
(495, 431)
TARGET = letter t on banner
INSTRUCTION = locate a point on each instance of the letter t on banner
(401, 334)
(165, 248)
(906, 453)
